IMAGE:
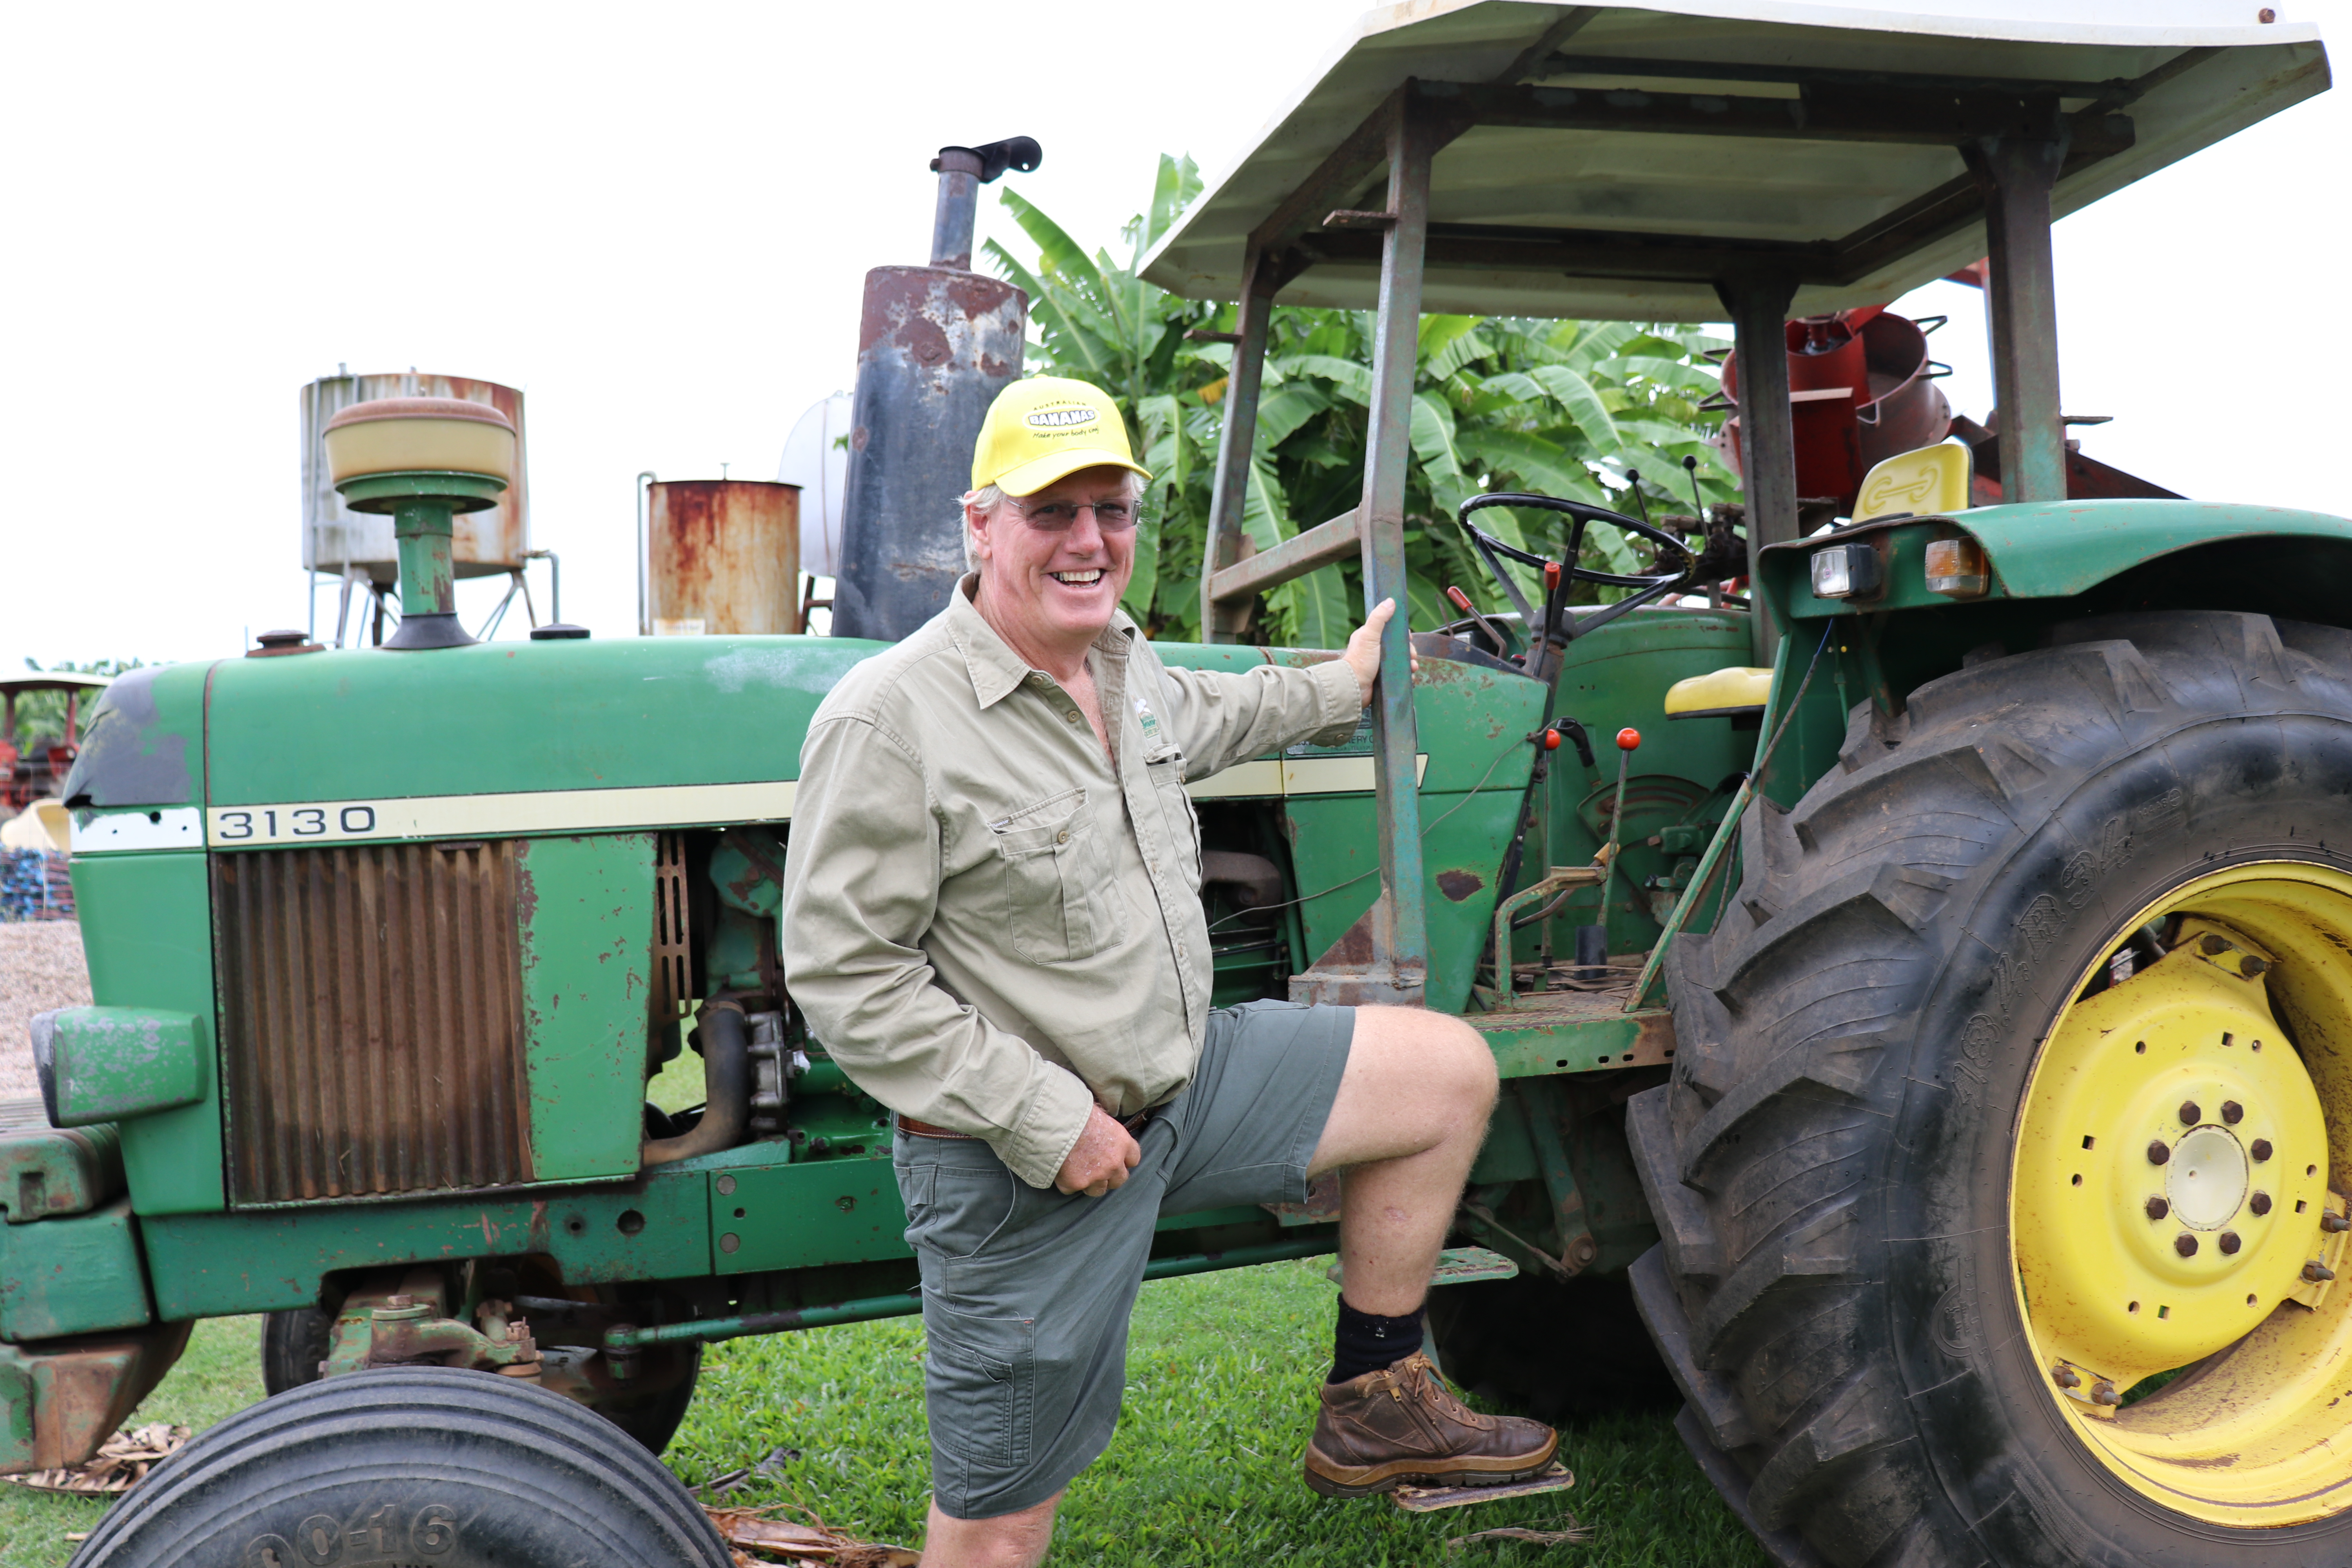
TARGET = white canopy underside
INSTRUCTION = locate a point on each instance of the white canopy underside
(1719, 186)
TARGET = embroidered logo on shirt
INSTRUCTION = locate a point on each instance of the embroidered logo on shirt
(1149, 721)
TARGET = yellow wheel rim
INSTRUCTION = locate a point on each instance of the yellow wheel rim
(2170, 1203)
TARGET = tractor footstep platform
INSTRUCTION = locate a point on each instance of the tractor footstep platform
(1429, 1500)
(1457, 1265)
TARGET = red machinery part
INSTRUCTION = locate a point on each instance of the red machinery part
(1864, 389)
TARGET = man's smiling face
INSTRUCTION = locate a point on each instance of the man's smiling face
(1053, 592)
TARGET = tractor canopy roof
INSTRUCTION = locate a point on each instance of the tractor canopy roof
(52, 680)
(1613, 161)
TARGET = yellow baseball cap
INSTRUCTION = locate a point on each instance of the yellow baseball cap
(1047, 428)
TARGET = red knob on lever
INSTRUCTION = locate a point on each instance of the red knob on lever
(1551, 575)
(1461, 600)
(1628, 740)
(1551, 740)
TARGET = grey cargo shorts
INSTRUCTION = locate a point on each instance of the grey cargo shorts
(1026, 1293)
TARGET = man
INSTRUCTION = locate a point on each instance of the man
(993, 922)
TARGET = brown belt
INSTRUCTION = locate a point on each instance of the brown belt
(1134, 1124)
(925, 1129)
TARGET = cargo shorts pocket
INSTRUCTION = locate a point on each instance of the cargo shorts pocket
(979, 1382)
(1056, 874)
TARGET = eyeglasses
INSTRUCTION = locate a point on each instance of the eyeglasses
(1055, 516)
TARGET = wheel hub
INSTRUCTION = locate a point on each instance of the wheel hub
(2206, 1179)
(2170, 1206)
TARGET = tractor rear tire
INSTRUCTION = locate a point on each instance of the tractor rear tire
(408, 1465)
(1832, 1168)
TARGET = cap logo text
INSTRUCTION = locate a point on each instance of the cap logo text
(1060, 418)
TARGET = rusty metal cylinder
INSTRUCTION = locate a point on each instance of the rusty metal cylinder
(723, 557)
(935, 346)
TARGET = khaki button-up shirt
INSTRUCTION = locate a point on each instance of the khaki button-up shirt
(990, 922)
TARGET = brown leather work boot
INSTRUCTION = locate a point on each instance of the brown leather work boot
(1403, 1426)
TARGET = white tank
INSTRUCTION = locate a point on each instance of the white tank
(335, 538)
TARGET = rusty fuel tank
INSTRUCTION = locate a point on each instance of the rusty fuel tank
(723, 556)
(935, 345)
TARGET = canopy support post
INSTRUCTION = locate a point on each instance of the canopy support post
(1399, 922)
(1758, 302)
(1223, 622)
(2016, 175)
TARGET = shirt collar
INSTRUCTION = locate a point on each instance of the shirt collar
(996, 671)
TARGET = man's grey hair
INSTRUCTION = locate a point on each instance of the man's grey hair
(988, 497)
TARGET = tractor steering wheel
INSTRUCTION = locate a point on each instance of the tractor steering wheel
(1648, 587)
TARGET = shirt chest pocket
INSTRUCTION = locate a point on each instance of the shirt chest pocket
(1166, 771)
(1055, 873)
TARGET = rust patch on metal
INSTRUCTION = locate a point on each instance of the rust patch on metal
(371, 1035)
(81, 1390)
(1459, 885)
(725, 552)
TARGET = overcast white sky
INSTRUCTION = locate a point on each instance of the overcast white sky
(656, 220)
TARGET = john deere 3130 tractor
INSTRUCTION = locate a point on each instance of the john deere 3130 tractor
(1940, 1028)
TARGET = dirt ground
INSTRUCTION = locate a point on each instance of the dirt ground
(41, 968)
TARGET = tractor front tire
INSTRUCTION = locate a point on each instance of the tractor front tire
(408, 1465)
(1935, 1287)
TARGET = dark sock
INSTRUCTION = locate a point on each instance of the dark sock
(1366, 1342)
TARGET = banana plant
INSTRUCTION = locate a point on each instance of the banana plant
(1601, 411)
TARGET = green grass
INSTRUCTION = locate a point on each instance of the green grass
(1204, 1470)
(1221, 1394)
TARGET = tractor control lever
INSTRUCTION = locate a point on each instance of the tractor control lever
(1461, 601)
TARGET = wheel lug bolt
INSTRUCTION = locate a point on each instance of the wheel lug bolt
(2185, 1245)
(2229, 1242)
(2213, 946)
(2103, 1393)
(2190, 1113)
(2334, 1222)
(2157, 1207)
(2318, 1272)
(2158, 1153)
(2250, 967)
(2260, 1203)
(2261, 1149)
(2232, 1113)
(2066, 1377)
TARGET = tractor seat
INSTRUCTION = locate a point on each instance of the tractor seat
(1737, 692)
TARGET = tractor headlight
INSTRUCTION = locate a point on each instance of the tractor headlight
(1845, 572)
(1955, 569)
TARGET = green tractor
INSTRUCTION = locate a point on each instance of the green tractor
(1940, 1028)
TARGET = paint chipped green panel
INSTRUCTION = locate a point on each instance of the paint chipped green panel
(518, 715)
(587, 914)
(111, 1063)
(72, 1276)
(153, 949)
(214, 1266)
(800, 1215)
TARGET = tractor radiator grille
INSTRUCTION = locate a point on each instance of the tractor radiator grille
(370, 1003)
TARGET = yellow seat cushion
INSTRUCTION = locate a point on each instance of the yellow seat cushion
(1739, 689)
